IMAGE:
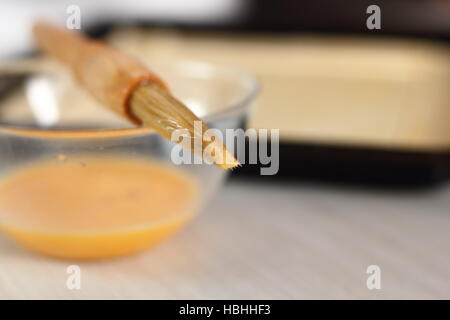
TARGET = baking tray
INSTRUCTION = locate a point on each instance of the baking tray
(355, 109)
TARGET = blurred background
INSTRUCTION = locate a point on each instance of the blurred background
(352, 104)
(367, 110)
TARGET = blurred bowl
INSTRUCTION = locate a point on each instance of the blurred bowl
(46, 119)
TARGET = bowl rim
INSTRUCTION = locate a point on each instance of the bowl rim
(206, 68)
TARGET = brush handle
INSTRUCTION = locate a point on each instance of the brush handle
(109, 75)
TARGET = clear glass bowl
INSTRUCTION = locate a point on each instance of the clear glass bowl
(49, 124)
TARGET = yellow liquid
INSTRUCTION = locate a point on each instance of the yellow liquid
(88, 208)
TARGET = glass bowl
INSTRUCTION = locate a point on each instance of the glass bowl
(79, 182)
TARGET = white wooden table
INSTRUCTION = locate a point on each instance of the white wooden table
(269, 241)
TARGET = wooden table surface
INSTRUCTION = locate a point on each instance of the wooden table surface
(269, 241)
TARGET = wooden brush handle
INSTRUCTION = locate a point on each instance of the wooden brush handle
(109, 75)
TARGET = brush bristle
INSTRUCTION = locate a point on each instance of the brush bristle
(159, 110)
